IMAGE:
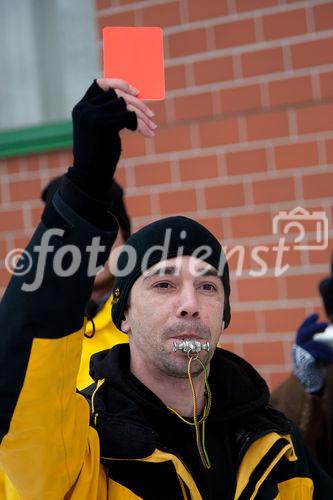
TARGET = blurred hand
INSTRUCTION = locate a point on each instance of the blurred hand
(309, 356)
(304, 338)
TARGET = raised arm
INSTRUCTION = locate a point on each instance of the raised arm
(44, 424)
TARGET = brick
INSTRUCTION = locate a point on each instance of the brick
(13, 165)
(187, 42)
(4, 277)
(122, 19)
(270, 257)
(315, 119)
(237, 256)
(262, 62)
(242, 5)
(318, 185)
(273, 190)
(264, 353)
(215, 133)
(20, 242)
(246, 162)
(323, 16)
(323, 256)
(267, 125)
(54, 160)
(227, 346)
(296, 155)
(133, 144)
(173, 139)
(259, 258)
(260, 288)
(158, 107)
(203, 10)
(213, 224)
(24, 190)
(31, 163)
(255, 224)
(302, 286)
(314, 53)
(3, 250)
(219, 69)
(177, 202)
(235, 33)
(193, 106)
(152, 173)
(36, 213)
(284, 24)
(242, 322)
(120, 176)
(163, 15)
(329, 150)
(284, 320)
(240, 99)
(175, 77)
(290, 91)
(139, 205)
(11, 219)
(326, 85)
(102, 4)
(224, 196)
(202, 167)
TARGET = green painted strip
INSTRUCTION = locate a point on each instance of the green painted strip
(37, 139)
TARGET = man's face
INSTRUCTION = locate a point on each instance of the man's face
(180, 298)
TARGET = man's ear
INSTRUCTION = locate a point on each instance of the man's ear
(125, 326)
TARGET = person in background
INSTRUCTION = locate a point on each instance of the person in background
(306, 397)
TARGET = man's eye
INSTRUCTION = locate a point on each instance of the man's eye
(208, 287)
(162, 284)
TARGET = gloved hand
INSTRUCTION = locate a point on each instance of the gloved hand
(107, 107)
(97, 120)
(310, 356)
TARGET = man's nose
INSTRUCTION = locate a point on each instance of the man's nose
(188, 306)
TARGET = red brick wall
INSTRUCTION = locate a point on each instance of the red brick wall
(246, 130)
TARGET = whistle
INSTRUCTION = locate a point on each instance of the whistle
(190, 346)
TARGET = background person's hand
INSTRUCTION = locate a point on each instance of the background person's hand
(309, 356)
(320, 351)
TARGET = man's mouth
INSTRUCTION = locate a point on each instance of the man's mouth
(187, 336)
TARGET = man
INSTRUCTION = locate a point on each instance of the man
(170, 416)
(306, 396)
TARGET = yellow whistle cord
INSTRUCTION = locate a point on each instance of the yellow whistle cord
(200, 439)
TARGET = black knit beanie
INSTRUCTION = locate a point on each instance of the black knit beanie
(326, 292)
(161, 240)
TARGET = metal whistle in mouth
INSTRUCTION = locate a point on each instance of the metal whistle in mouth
(190, 346)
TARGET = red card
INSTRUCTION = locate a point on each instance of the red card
(135, 54)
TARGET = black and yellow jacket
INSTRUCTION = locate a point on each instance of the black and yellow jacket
(57, 445)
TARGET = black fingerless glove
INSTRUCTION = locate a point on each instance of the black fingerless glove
(97, 120)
